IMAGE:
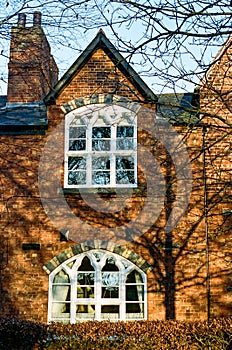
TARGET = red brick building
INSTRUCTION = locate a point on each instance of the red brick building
(115, 202)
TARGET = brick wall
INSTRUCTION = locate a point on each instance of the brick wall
(216, 110)
(177, 281)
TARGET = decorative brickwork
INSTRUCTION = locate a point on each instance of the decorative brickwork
(107, 245)
(101, 98)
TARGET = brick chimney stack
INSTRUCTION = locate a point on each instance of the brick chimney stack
(32, 71)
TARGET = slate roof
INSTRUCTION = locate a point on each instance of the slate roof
(179, 108)
(21, 119)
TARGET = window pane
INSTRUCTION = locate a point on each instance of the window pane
(110, 312)
(77, 145)
(85, 292)
(77, 138)
(125, 131)
(125, 139)
(134, 277)
(110, 292)
(61, 277)
(75, 163)
(134, 293)
(85, 278)
(99, 134)
(77, 178)
(125, 177)
(61, 295)
(133, 307)
(85, 309)
(125, 144)
(103, 132)
(101, 163)
(100, 145)
(60, 310)
(86, 265)
(123, 174)
(134, 311)
(110, 278)
(100, 177)
(77, 132)
(125, 162)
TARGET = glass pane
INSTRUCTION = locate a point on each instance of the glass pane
(134, 308)
(85, 278)
(61, 277)
(110, 265)
(134, 277)
(77, 178)
(86, 265)
(103, 132)
(75, 163)
(85, 292)
(100, 145)
(134, 293)
(86, 309)
(101, 177)
(110, 278)
(125, 144)
(99, 134)
(110, 292)
(77, 145)
(125, 177)
(125, 140)
(77, 132)
(124, 162)
(125, 131)
(101, 163)
(60, 310)
(77, 136)
(110, 312)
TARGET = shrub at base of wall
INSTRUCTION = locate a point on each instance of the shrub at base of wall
(142, 335)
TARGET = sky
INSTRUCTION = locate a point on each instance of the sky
(163, 69)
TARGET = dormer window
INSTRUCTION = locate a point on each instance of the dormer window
(101, 147)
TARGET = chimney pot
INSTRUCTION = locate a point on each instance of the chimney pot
(21, 19)
(37, 19)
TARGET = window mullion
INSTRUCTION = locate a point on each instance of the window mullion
(89, 156)
(113, 157)
(122, 295)
(73, 288)
(98, 294)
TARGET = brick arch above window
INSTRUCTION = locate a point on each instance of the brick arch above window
(100, 98)
(97, 244)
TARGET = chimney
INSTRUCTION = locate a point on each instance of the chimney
(37, 19)
(21, 20)
(32, 71)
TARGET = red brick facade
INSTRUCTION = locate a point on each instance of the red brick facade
(189, 265)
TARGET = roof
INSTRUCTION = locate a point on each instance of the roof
(27, 118)
(102, 42)
(179, 108)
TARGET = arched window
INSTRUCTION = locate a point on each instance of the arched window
(97, 285)
(100, 147)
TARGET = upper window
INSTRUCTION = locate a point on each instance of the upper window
(97, 285)
(100, 147)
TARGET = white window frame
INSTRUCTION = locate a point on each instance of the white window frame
(101, 115)
(124, 267)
